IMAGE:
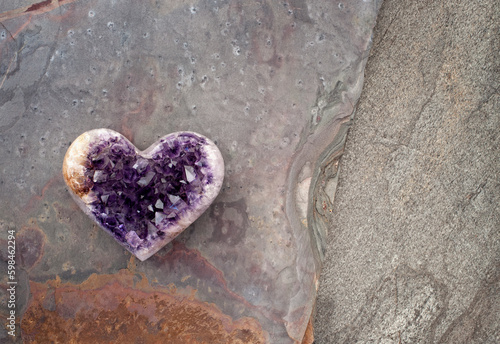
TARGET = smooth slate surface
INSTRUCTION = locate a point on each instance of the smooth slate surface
(272, 83)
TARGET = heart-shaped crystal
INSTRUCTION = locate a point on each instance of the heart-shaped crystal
(143, 199)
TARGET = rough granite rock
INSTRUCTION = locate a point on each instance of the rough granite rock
(414, 243)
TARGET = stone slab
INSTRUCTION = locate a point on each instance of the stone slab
(414, 244)
(271, 83)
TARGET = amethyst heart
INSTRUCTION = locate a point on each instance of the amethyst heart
(143, 199)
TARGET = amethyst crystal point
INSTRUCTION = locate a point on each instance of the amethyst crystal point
(143, 199)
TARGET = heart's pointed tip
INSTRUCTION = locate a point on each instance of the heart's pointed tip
(143, 258)
(135, 196)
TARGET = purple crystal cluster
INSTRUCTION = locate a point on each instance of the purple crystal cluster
(135, 196)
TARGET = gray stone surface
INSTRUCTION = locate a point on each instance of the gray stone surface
(270, 82)
(413, 250)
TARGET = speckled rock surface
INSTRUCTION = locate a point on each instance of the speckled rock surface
(413, 252)
(271, 83)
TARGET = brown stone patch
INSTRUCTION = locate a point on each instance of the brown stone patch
(30, 246)
(309, 335)
(115, 309)
(34, 9)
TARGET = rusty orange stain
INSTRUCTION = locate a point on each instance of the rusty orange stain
(113, 309)
(206, 270)
(309, 335)
(39, 5)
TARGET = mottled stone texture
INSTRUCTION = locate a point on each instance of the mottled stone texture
(272, 83)
(414, 245)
